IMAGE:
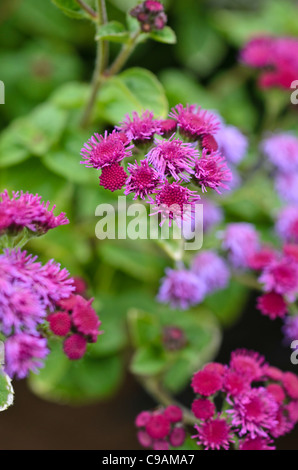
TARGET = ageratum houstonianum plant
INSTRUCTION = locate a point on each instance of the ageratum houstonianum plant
(170, 163)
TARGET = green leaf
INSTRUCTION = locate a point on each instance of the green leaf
(11, 150)
(113, 31)
(77, 382)
(71, 95)
(148, 361)
(67, 164)
(71, 8)
(135, 89)
(6, 391)
(165, 35)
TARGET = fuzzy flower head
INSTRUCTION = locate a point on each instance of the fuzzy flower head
(254, 413)
(241, 240)
(207, 382)
(211, 171)
(150, 15)
(214, 434)
(173, 158)
(24, 353)
(173, 202)
(281, 276)
(113, 177)
(258, 443)
(25, 210)
(272, 305)
(28, 289)
(281, 149)
(286, 185)
(194, 122)
(142, 179)
(277, 56)
(181, 289)
(211, 269)
(232, 143)
(140, 128)
(104, 150)
(286, 224)
(247, 364)
(161, 428)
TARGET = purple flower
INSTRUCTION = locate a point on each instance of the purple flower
(24, 353)
(241, 240)
(286, 225)
(28, 289)
(101, 151)
(173, 158)
(286, 185)
(193, 121)
(25, 210)
(282, 151)
(281, 276)
(211, 171)
(232, 143)
(140, 128)
(142, 179)
(290, 329)
(181, 288)
(211, 269)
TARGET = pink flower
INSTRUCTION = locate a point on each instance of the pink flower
(194, 122)
(158, 427)
(142, 180)
(113, 177)
(273, 305)
(173, 202)
(173, 413)
(25, 210)
(177, 437)
(261, 258)
(258, 52)
(206, 382)
(290, 383)
(168, 127)
(173, 157)
(140, 129)
(258, 443)
(235, 384)
(209, 143)
(85, 318)
(59, 323)
(74, 346)
(281, 276)
(254, 412)
(248, 364)
(211, 171)
(101, 151)
(214, 434)
(203, 408)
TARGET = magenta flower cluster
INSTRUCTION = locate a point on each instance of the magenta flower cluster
(259, 403)
(276, 57)
(161, 429)
(25, 210)
(163, 162)
(31, 292)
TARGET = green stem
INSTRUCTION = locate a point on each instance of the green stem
(87, 9)
(100, 64)
(123, 55)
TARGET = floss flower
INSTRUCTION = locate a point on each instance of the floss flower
(211, 171)
(140, 128)
(25, 210)
(142, 179)
(194, 122)
(181, 289)
(211, 269)
(257, 403)
(173, 157)
(241, 240)
(161, 429)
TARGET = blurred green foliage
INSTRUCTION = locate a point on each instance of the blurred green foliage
(46, 62)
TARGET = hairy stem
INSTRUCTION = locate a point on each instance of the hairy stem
(100, 64)
(123, 55)
(87, 8)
